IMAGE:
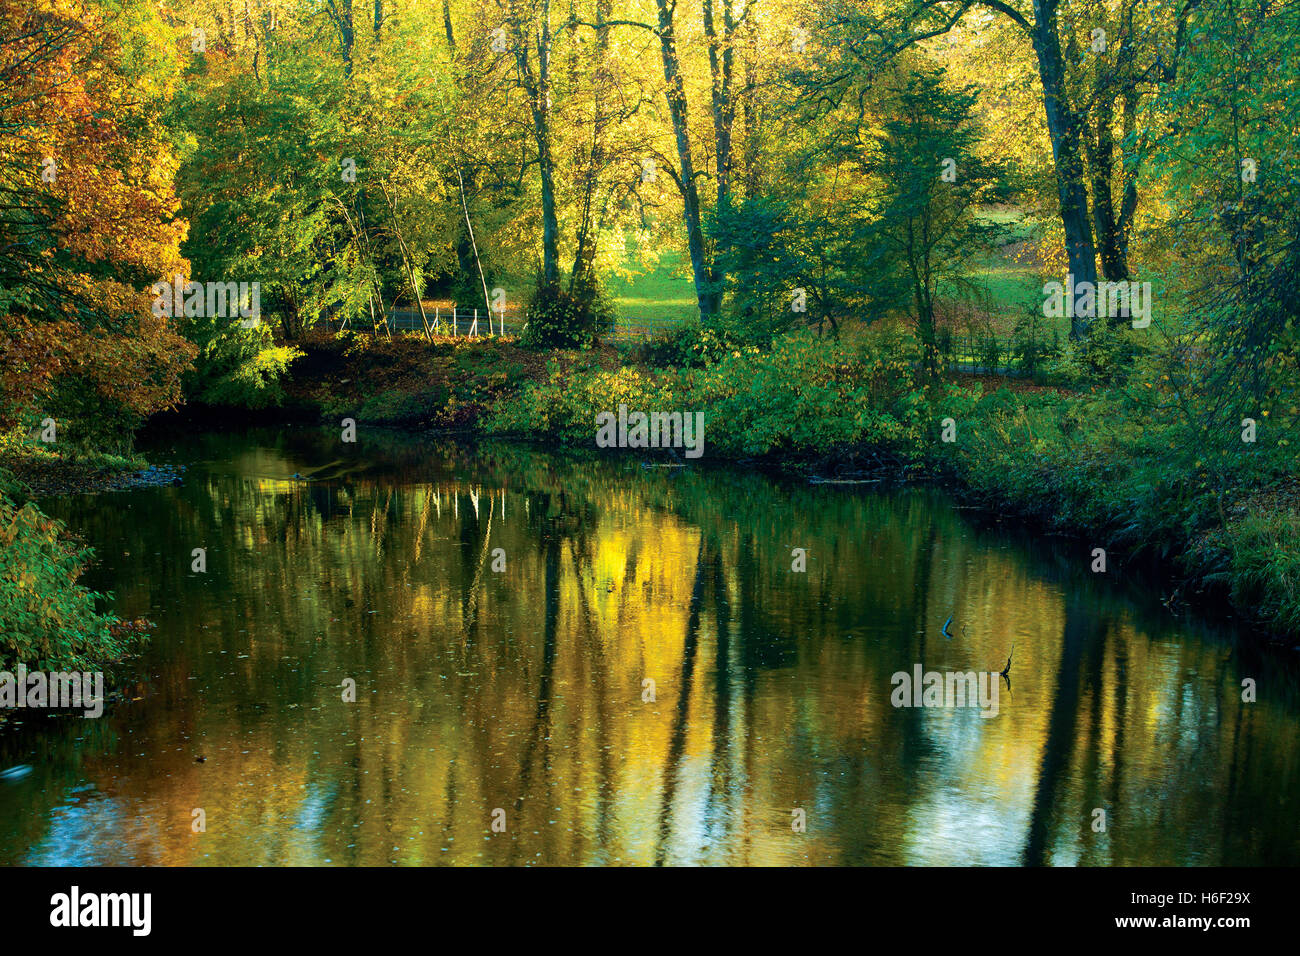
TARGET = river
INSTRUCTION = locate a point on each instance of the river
(420, 653)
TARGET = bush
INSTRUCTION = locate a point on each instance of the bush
(404, 408)
(567, 318)
(990, 352)
(690, 346)
(98, 378)
(47, 620)
(944, 344)
(1103, 355)
(1263, 562)
(808, 396)
(236, 366)
(1029, 349)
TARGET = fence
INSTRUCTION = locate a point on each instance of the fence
(991, 354)
(1021, 353)
(475, 323)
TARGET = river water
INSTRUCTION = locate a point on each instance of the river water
(502, 612)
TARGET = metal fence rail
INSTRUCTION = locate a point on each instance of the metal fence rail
(989, 353)
(474, 323)
(1021, 353)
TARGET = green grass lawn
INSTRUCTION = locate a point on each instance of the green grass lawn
(662, 299)
(1011, 287)
(1005, 289)
(997, 285)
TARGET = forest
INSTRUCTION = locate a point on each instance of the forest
(1046, 254)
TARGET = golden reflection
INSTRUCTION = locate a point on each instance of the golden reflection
(525, 689)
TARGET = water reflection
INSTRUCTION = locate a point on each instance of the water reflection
(524, 689)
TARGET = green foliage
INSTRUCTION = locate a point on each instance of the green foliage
(403, 408)
(236, 366)
(23, 452)
(770, 247)
(47, 620)
(88, 422)
(278, 215)
(1074, 464)
(932, 183)
(1104, 354)
(691, 346)
(1126, 468)
(990, 353)
(1030, 348)
(1261, 553)
(1231, 172)
(808, 395)
(805, 396)
(567, 318)
(10, 485)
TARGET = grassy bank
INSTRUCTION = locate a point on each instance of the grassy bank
(1113, 466)
(1117, 466)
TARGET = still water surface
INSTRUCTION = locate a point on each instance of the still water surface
(524, 690)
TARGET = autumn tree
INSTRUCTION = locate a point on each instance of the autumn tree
(88, 222)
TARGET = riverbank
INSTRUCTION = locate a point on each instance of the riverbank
(58, 476)
(384, 566)
(1133, 484)
(47, 619)
(1219, 518)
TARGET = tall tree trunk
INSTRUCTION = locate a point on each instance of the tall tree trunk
(705, 292)
(460, 178)
(584, 258)
(550, 222)
(538, 86)
(751, 118)
(1101, 158)
(341, 14)
(1112, 228)
(1064, 129)
(1128, 205)
(446, 24)
(724, 109)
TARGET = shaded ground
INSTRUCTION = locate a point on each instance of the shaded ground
(49, 474)
(408, 381)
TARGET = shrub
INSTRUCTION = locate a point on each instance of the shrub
(98, 384)
(404, 408)
(943, 341)
(567, 318)
(1263, 553)
(1103, 355)
(47, 620)
(690, 346)
(807, 395)
(237, 366)
(990, 352)
(1029, 350)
